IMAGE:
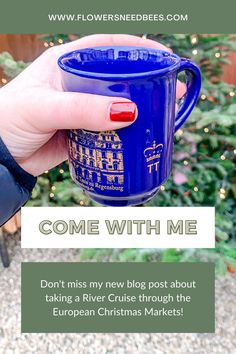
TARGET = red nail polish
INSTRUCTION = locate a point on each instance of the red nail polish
(123, 111)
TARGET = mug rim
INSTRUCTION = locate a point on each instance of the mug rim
(117, 76)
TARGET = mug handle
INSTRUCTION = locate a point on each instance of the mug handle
(190, 98)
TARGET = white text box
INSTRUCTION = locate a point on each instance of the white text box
(94, 227)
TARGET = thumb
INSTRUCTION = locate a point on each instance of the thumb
(72, 110)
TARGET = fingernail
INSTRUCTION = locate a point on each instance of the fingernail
(123, 111)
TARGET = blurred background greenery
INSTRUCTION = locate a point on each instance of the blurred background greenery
(204, 155)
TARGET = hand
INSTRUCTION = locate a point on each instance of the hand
(34, 110)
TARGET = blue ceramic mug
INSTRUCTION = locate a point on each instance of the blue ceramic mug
(128, 166)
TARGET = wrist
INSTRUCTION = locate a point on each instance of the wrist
(8, 129)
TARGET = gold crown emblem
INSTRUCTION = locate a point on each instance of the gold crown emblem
(153, 151)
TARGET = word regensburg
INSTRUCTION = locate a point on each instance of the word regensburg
(118, 227)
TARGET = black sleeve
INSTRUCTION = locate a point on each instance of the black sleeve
(15, 185)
